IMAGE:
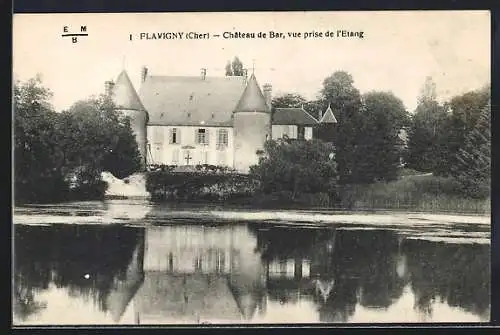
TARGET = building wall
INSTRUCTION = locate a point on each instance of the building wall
(161, 151)
(138, 121)
(278, 131)
(251, 130)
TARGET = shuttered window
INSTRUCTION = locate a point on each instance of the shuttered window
(222, 138)
(175, 136)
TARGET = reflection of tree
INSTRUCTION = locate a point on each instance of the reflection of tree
(341, 303)
(370, 257)
(85, 260)
(458, 274)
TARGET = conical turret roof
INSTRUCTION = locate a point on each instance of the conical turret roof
(124, 94)
(252, 99)
(328, 116)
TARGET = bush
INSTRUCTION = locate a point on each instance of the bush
(297, 167)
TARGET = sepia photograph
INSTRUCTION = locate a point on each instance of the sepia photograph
(251, 168)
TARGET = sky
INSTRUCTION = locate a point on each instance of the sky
(397, 52)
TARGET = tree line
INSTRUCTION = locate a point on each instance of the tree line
(376, 137)
(57, 153)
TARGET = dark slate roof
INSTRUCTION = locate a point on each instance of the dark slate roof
(293, 116)
(178, 100)
(252, 99)
(124, 94)
(328, 116)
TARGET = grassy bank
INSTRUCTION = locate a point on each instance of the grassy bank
(414, 193)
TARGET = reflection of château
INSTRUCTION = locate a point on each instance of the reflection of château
(195, 274)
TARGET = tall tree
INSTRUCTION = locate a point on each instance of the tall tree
(37, 158)
(428, 91)
(473, 168)
(345, 100)
(237, 67)
(380, 149)
(465, 111)
(426, 129)
(229, 69)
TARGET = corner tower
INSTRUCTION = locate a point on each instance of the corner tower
(128, 103)
(251, 125)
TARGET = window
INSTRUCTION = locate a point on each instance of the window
(308, 133)
(301, 133)
(175, 156)
(221, 158)
(204, 157)
(158, 135)
(175, 136)
(222, 138)
(157, 154)
(202, 136)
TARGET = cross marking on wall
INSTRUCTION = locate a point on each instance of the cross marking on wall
(188, 158)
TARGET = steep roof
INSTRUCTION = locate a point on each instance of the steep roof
(253, 99)
(293, 116)
(328, 116)
(124, 94)
(177, 100)
(184, 297)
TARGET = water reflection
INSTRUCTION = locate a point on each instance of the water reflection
(240, 273)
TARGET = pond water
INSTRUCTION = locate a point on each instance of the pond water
(125, 262)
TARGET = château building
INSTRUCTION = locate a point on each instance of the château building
(191, 120)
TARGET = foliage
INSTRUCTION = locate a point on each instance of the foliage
(417, 193)
(229, 69)
(199, 185)
(345, 99)
(465, 110)
(297, 167)
(56, 153)
(424, 136)
(380, 149)
(473, 168)
(237, 67)
(288, 100)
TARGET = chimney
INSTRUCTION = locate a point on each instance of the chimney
(108, 87)
(144, 74)
(203, 74)
(320, 114)
(267, 90)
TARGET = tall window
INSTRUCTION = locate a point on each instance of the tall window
(222, 138)
(202, 136)
(175, 156)
(175, 136)
(158, 135)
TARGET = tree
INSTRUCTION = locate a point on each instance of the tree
(473, 168)
(427, 126)
(465, 111)
(37, 158)
(105, 138)
(296, 166)
(428, 91)
(379, 151)
(229, 69)
(288, 100)
(345, 100)
(237, 67)
(55, 150)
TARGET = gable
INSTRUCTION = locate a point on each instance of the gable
(173, 100)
